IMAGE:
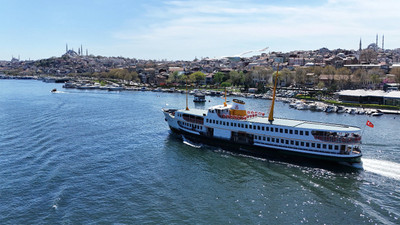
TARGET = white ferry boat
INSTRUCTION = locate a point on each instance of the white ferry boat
(255, 133)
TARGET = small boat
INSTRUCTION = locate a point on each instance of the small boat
(340, 109)
(329, 109)
(351, 111)
(54, 90)
(199, 97)
(360, 112)
(377, 113)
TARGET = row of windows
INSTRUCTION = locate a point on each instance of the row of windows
(193, 126)
(296, 143)
(258, 127)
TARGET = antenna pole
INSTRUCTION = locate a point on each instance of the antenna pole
(271, 111)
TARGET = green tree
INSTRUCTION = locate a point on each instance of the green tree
(320, 85)
(197, 77)
(174, 77)
(317, 70)
(343, 71)
(234, 77)
(226, 84)
(329, 70)
(219, 77)
(286, 75)
(300, 77)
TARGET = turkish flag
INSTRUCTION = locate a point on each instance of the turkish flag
(370, 124)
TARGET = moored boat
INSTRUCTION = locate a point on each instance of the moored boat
(199, 97)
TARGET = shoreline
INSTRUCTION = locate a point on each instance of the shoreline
(88, 84)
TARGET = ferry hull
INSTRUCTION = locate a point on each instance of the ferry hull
(265, 152)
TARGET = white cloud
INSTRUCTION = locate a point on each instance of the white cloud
(186, 29)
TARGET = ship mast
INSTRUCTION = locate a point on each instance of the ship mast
(225, 98)
(271, 110)
(187, 108)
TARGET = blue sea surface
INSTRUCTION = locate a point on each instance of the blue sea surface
(90, 157)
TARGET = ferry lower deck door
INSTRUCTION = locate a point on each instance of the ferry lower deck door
(210, 131)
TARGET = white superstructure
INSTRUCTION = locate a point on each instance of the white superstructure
(229, 124)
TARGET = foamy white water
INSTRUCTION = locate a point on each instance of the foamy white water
(382, 167)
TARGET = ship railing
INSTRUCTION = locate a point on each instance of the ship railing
(233, 117)
(339, 139)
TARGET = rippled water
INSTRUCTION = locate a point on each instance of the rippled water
(80, 157)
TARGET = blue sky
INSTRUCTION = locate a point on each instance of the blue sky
(174, 29)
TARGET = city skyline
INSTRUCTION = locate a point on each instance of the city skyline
(177, 30)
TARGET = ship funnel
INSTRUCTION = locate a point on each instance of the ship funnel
(238, 108)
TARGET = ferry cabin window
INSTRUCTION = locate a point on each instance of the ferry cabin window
(277, 140)
(262, 128)
(307, 133)
(290, 131)
(287, 142)
(263, 138)
(296, 132)
(268, 139)
(246, 126)
(324, 146)
(258, 128)
(286, 131)
(301, 132)
(251, 126)
(302, 143)
(330, 147)
(292, 142)
(282, 141)
(336, 147)
(276, 130)
(318, 145)
(231, 124)
(272, 139)
(267, 128)
(307, 144)
(313, 145)
(281, 130)
(297, 143)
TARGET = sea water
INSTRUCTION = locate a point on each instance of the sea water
(90, 157)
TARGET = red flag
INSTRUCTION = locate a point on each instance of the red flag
(370, 124)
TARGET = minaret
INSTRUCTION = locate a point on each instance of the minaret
(376, 40)
(360, 46)
(86, 52)
(383, 42)
(66, 48)
(81, 50)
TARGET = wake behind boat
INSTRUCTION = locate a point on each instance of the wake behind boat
(255, 133)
